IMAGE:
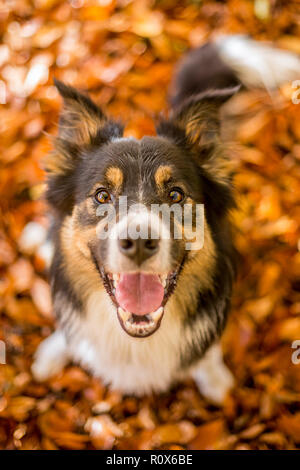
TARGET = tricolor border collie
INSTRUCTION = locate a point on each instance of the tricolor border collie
(144, 312)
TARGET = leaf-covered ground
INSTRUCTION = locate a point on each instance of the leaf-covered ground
(123, 53)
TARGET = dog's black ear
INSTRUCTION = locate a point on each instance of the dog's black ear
(195, 125)
(81, 120)
(82, 124)
(196, 121)
(198, 115)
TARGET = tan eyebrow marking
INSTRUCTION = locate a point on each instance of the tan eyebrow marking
(115, 176)
(162, 175)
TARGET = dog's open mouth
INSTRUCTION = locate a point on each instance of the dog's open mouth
(140, 299)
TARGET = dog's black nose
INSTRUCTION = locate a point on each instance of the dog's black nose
(138, 250)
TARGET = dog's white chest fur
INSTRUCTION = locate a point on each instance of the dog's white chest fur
(133, 365)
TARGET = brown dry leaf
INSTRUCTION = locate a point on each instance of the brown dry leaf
(61, 431)
(40, 292)
(47, 444)
(259, 309)
(290, 425)
(52, 423)
(274, 438)
(252, 432)
(22, 274)
(19, 408)
(70, 440)
(73, 379)
(208, 436)
(291, 43)
(179, 433)
(253, 127)
(290, 329)
(270, 278)
(148, 24)
(147, 418)
(103, 431)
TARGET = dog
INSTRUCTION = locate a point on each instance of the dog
(144, 312)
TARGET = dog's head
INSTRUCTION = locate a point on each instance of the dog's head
(122, 202)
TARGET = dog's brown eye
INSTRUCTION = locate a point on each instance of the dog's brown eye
(176, 195)
(102, 196)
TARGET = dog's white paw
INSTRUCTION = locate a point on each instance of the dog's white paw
(213, 377)
(216, 385)
(50, 357)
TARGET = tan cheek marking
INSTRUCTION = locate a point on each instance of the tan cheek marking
(82, 235)
(77, 259)
(82, 246)
(190, 201)
(197, 274)
(115, 176)
(162, 175)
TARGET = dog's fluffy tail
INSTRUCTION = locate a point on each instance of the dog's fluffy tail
(232, 60)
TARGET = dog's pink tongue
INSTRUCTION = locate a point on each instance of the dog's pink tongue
(139, 293)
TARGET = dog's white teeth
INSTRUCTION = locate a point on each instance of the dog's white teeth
(156, 315)
(141, 328)
(163, 280)
(115, 278)
(124, 315)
